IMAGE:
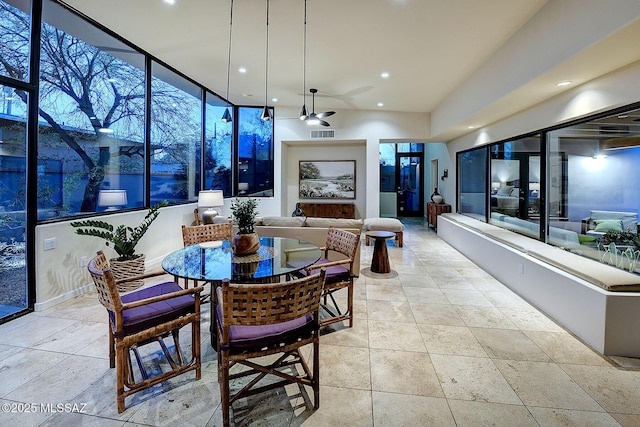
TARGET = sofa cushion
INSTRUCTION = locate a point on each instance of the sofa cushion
(629, 219)
(606, 225)
(333, 222)
(283, 221)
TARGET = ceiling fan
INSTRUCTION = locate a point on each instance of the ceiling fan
(316, 119)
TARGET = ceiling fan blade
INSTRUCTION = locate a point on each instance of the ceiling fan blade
(323, 123)
(325, 114)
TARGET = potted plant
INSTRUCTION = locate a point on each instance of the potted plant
(124, 240)
(246, 241)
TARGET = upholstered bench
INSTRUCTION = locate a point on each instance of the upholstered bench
(385, 224)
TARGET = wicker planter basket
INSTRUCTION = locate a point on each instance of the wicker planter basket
(124, 269)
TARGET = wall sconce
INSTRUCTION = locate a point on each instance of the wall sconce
(445, 174)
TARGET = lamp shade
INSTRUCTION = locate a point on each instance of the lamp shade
(112, 198)
(243, 186)
(210, 198)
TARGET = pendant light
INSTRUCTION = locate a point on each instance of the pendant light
(303, 112)
(226, 117)
(266, 113)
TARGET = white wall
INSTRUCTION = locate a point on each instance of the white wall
(368, 127)
(314, 150)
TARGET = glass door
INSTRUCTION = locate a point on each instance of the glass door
(13, 203)
(409, 178)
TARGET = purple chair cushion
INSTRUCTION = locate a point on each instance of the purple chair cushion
(334, 274)
(246, 337)
(146, 316)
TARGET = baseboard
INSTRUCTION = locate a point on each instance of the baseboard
(41, 306)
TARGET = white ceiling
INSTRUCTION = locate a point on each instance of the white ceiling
(430, 48)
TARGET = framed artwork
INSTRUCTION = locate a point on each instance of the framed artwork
(327, 179)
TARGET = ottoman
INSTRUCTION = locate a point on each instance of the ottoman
(385, 224)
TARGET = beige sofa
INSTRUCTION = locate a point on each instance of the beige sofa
(312, 230)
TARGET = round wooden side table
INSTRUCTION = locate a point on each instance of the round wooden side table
(380, 260)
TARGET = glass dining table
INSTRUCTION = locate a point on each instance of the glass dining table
(215, 261)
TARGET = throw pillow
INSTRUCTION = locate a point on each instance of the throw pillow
(605, 225)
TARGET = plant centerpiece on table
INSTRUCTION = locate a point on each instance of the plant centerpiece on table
(124, 240)
(246, 241)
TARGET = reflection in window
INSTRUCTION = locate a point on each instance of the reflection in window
(515, 185)
(472, 172)
(91, 134)
(176, 136)
(15, 31)
(13, 216)
(593, 173)
(217, 149)
(387, 167)
(255, 153)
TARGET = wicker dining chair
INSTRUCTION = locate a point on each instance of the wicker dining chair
(340, 274)
(194, 234)
(144, 316)
(256, 320)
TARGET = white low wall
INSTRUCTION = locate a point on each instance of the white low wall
(607, 321)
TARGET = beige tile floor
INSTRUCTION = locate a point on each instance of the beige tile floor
(437, 342)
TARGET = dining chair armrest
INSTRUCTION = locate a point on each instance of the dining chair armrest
(159, 298)
(141, 276)
(329, 264)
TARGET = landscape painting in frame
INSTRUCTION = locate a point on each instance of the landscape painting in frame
(327, 179)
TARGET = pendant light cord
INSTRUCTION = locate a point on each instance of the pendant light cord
(266, 68)
(229, 55)
(304, 56)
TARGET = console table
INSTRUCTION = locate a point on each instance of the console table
(329, 210)
(435, 209)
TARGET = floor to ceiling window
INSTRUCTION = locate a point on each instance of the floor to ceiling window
(15, 25)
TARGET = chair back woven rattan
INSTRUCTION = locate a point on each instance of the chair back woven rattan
(340, 273)
(144, 316)
(256, 320)
(194, 234)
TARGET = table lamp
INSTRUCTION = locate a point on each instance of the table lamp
(112, 199)
(210, 199)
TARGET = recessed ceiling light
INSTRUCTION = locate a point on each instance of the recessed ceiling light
(470, 127)
(170, 1)
(564, 83)
(247, 94)
(274, 99)
(384, 75)
(242, 70)
(380, 104)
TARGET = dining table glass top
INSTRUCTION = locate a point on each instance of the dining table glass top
(215, 261)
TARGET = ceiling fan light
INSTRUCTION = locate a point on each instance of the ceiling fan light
(313, 120)
(226, 117)
(303, 113)
(266, 114)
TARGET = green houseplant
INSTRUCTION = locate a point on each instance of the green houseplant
(124, 240)
(244, 212)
